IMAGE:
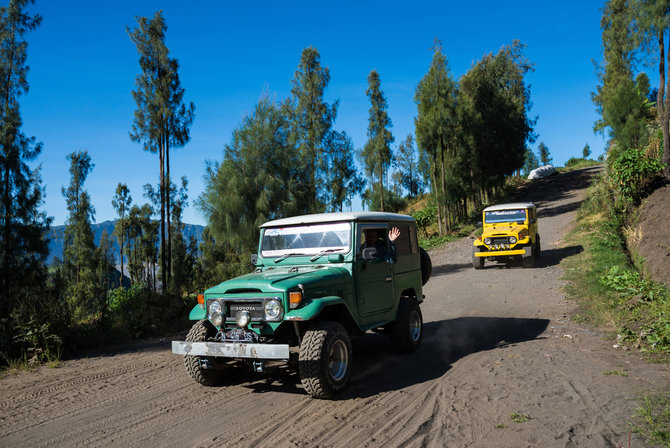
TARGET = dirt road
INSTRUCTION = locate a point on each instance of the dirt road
(497, 342)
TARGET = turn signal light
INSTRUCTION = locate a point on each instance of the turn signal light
(294, 298)
(201, 300)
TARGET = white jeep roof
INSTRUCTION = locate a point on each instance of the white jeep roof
(337, 217)
(510, 206)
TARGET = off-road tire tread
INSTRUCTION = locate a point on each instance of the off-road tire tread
(207, 377)
(313, 374)
(399, 329)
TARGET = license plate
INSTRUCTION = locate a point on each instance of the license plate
(238, 336)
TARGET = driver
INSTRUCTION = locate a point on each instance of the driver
(375, 238)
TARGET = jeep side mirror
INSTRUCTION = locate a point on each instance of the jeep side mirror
(369, 253)
(254, 259)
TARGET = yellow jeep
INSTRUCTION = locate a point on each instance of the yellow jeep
(510, 231)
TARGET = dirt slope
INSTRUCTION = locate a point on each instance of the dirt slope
(651, 238)
(497, 341)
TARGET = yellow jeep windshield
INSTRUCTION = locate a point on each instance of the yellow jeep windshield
(496, 216)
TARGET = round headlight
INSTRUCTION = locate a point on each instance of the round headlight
(242, 318)
(512, 239)
(487, 241)
(272, 309)
(215, 313)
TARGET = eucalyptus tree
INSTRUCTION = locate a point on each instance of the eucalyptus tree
(435, 125)
(651, 26)
(121, 202)
(377, 154)
(162, 119)
(311, 119)
(408, 166)
(23, 227)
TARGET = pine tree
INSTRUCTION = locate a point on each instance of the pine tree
(79, 250)
(377, 153)
(586, 152)
(23, 227)
(121, 202)
(311, 120)
(342, 178)
(162, 120)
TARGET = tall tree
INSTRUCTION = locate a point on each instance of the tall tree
(377, 153)
(79, 244)
(121, 203)
(162, 119)
(436, 120)
(651, 25)
(342, 178)
(312, 119)
(23, 227)
(586, 152)
(545, 158)
(408, 166)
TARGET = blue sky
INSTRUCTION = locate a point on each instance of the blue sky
(83, 68)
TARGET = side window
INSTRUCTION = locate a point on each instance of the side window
(403, 244)
(413, 241)
(371, 236)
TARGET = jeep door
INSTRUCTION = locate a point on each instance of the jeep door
(373, 279)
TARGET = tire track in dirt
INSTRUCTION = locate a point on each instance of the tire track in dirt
(496, 341)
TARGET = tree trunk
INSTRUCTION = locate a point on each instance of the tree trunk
(167, 209)
(665, 104)
(162, 199)
(437, 196)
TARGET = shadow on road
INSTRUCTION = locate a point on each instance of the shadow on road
(451, 268)
(377, 368)
(550, 257)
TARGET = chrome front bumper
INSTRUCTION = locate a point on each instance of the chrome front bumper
(231, 349)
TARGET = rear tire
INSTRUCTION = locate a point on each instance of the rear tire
(406, 332)
(200, 332)
(325, 359)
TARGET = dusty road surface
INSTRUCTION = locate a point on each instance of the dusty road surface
(497, 342)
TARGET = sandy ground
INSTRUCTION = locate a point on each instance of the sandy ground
(497, 341)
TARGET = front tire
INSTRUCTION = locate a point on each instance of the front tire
(200, 332)
(477, 262)
(528, 259)
(325, 358)
(407, 331)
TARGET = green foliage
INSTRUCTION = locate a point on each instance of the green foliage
(586, 152)
(424, 218)
(630, 171)
(652, 418)
(530, 162)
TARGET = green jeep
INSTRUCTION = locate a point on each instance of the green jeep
(318, 280)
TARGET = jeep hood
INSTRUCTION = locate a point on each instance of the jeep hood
(281, 279)
(502, 229)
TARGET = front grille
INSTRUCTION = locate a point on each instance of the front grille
(255, 309)
(499, 240)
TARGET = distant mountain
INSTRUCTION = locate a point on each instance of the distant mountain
(56, 238)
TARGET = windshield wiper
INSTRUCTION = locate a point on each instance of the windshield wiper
(285, 256)
(322, 253)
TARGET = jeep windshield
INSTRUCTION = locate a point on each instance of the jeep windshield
(496, 216)
(306, 240)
